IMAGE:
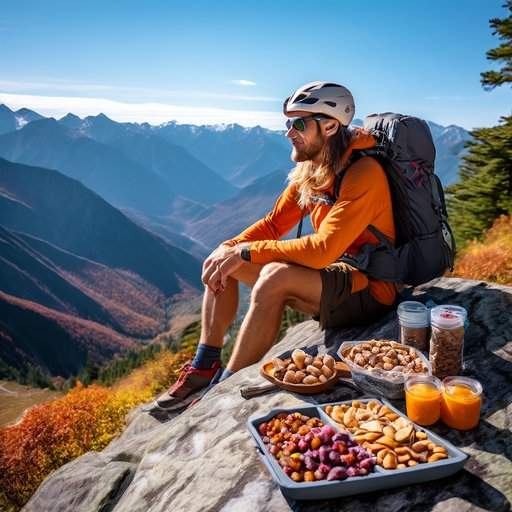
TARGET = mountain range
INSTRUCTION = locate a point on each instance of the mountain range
(68, 257)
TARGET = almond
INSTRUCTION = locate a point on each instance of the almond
(387, 441)
(389, 461)
(419, 447)
(437, 456)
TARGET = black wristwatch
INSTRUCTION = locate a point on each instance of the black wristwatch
(245, 254)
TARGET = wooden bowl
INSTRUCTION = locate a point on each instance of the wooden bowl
(267, 370)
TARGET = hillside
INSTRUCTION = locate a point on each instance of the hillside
(76, 273)
(56, 342)
(37, 271)
(63, 212)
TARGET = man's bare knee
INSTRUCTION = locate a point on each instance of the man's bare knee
(248, 273)
(271, 283)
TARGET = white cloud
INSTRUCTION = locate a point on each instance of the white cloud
(243, 82)
(151, 112)
(55, 87)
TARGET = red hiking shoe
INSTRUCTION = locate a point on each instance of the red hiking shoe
(190, 380)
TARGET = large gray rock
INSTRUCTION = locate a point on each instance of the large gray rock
(204, 459)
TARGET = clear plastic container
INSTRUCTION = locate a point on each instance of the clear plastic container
(461, 402)
(423, 399)
(387, 383)
(447, 340)
(414, 324)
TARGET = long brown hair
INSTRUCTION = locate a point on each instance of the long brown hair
(310, 179)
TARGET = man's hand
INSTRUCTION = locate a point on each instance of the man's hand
(219, 265)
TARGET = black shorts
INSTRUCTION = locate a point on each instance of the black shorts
(339, 307)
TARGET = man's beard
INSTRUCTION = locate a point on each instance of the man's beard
(311, 152)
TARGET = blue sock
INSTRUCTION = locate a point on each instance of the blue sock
(206, 356)
(225, 374)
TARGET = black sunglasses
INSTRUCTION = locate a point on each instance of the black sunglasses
(299, 123)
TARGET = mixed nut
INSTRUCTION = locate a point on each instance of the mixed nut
(446, 347)
(302, 368)
(308, 450)
(385, 355)
(391, 438)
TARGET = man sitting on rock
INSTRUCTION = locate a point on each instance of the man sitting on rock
(303, 273)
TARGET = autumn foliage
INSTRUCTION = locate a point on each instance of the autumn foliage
(87, 418)
(490, 260)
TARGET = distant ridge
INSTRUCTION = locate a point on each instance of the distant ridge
(77, 276)
(62, 211)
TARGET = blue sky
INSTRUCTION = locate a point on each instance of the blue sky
(210, 62)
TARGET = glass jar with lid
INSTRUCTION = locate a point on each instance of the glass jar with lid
(414, 323)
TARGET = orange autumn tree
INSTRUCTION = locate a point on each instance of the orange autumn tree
(87, 418)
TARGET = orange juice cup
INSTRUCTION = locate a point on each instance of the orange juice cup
(460, 403)
(423, 399)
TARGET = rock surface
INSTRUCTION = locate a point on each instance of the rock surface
(205, 459)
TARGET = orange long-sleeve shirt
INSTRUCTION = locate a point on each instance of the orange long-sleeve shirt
(364, 199)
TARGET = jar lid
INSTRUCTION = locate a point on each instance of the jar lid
(413, 314)
(448, 316)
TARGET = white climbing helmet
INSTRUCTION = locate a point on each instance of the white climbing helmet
(327, 98)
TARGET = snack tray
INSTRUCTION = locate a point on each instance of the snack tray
(389, 384)
(380, 478)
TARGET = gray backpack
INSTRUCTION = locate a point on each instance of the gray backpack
(424, 247)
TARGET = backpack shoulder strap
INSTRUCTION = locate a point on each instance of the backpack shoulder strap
(339, 177)
(337, 187)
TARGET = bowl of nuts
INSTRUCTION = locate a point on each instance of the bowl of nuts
(382, 366)
(302, 372)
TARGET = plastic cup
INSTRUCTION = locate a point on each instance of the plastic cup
(461, 402)
(423, 399)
